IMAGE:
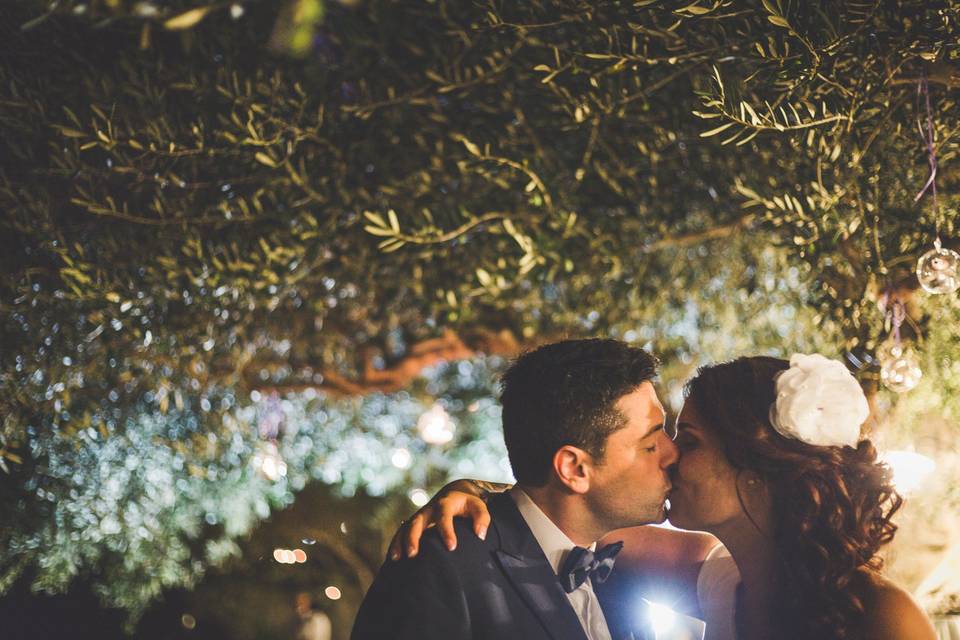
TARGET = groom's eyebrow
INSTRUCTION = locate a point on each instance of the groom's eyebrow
(653, 430)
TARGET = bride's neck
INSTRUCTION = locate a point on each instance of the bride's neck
(756, 559)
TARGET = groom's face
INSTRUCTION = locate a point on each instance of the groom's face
(629, 484)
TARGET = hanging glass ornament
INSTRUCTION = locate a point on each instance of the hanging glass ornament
(938, 270)
(899, 367)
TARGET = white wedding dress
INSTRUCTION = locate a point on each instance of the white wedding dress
(717, 593)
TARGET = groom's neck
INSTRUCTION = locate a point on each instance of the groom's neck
(568, 511)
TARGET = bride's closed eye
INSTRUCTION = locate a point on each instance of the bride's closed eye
(686, 442)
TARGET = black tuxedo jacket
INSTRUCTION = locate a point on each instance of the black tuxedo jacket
(499, 588)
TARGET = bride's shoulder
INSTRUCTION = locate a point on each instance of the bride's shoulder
(891, 614)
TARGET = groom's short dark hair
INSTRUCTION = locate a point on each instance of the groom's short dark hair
(565, 393)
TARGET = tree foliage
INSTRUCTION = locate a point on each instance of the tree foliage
(191, 213)
(198, 212)
(152, 504)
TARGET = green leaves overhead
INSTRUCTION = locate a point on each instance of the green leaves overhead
(196, 210)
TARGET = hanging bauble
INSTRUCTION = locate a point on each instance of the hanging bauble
(938, 270)
(899, 367)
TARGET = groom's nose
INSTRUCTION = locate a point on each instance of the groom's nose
(670, 452)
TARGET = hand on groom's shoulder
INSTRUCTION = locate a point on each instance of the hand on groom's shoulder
(425, 596)
(433, 551)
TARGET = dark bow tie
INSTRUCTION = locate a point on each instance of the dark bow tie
(582, 564)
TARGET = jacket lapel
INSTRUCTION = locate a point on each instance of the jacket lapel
(528, 570)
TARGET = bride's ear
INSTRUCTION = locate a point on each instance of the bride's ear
(572, 468)
(754, 494)
(751, 482)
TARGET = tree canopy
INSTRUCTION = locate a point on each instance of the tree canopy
(202, 201)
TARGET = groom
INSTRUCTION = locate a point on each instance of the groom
(584, 431)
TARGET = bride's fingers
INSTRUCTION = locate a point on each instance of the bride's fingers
(477, 511)
(415, 531)
(406, 536)
(440, 513)
(471, 507)
(396, 544)
(445, 527)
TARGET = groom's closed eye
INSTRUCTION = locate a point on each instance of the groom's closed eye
(649, 442)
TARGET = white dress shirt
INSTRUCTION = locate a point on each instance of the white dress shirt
(556, 545)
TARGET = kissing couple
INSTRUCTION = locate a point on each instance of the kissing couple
(783, 509)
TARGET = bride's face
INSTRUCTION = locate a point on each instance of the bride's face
(704, 494)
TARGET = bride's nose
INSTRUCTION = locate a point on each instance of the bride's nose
(670, 452)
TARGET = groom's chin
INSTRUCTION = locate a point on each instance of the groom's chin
(660, 516)
(664, 512)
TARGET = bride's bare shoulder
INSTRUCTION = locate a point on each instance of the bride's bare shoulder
(655, 545)
(892, 614)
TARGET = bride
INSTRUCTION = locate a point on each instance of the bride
(795, 504)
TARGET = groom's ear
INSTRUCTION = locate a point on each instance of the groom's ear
(572, 466)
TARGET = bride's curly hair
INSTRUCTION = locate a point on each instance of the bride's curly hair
(831, 506)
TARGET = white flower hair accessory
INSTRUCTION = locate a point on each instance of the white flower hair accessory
(819, 402)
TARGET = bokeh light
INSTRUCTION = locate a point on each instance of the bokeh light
(188, 621)
(267, 461)
(910, 469)
(419, 497)
(436, 426)
(401, 458)
(333, 592)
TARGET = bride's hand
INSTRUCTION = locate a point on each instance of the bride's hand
(458, 498)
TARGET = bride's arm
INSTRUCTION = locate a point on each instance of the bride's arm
(460, 498)
(658, 557)
(661, 564)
